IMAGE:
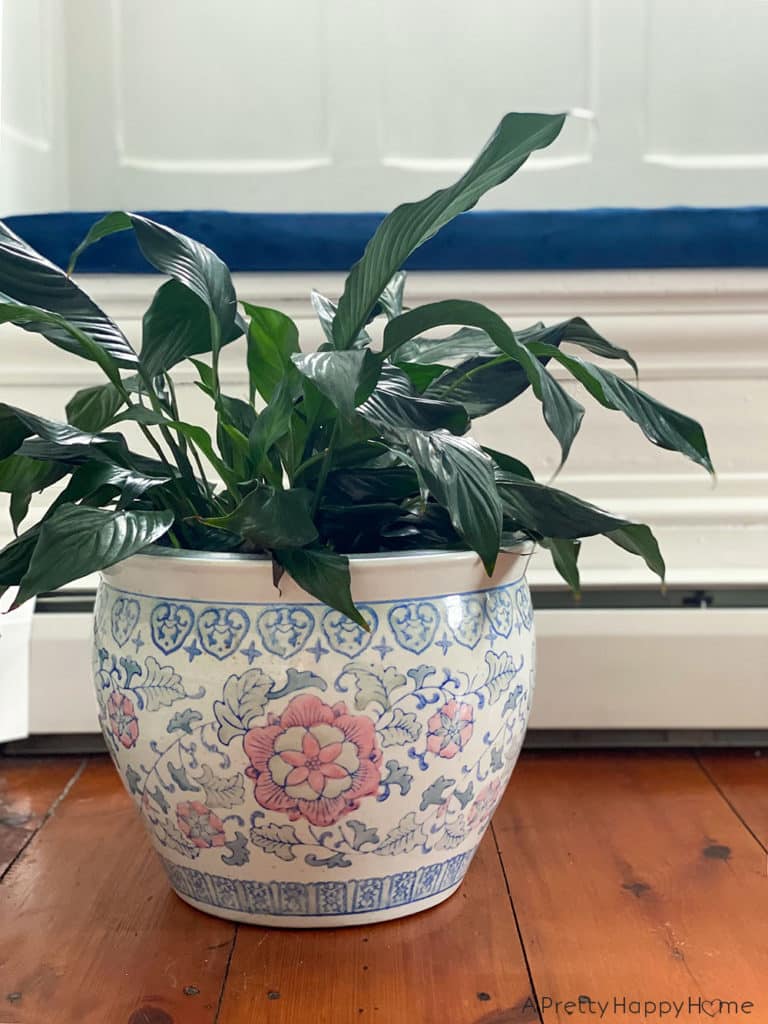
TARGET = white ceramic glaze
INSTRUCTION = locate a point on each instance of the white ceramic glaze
(292, 769)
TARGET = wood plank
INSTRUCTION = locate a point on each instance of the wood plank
(28, 789)
(458, 963)
(742, 778)
(633, 879)
(92, 932)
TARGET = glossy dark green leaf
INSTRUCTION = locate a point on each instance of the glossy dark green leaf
(64, 442)
(94, 477)
(12, 431)
(481, 384)
(15, 558)
(76, 541)
(19, 473)
(191, 263)
(93, 408)
(565, 558)
(325, 310)
(273, 423)
(577, 331)
(466, 343)
(272, 339)
(545, 511)
(345, 378)
(411, 224)
(639, 540)
(176, 326)
(562, 413)
(459, 476)
(29, 279)
(324, 575)
(508, 463)
(394, 404)
(381, 484)
(391, 298)
(663, 426)
(270, 519)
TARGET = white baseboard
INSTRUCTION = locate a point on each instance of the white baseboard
(700, 340)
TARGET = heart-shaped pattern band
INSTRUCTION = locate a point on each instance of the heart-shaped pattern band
(469, 627)
(414, 624)
(345, 636)
(125, 615)
(222, 630)
(285, 630)
(170, 624)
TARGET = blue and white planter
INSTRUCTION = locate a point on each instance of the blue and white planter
(292, 769)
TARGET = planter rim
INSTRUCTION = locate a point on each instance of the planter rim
(525, 547)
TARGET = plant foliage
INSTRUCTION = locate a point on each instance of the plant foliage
(357, 447)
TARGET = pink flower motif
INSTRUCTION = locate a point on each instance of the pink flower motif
(315, 761)
(484, 805)
(200, 825)
(450, 729)
(122, 720)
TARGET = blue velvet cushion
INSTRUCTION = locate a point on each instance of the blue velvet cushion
(479, 240)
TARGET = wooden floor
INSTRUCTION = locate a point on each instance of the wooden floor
(608, 878)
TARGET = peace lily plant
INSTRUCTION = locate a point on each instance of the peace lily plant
(358, 447)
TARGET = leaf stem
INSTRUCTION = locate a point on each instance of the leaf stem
(325, 467)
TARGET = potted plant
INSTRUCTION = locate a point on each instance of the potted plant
(314, 648)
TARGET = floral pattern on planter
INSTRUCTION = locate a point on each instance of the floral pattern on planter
(269, 734)
(450, 729)
(122, 720)
(200, 825)
(314, 761)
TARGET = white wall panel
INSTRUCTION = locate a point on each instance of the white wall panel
(707, 86)
(334, 105)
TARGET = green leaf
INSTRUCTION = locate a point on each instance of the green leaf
(391, 299)
(324, 575)
(273, 422)
(394, 403)
(325, 310)
(345, 378)
(466, 343)
(176, 326)
(76, 541)
(191, 263)
(33, 318)
(481, 384)
(65, 442)
(271, 519)
(639, 540)
(577, 331)
(27, 279)
(272, 339)
(15, 558)
(562, 413)
(411, 224)
(21, 477)
(544, 511)
(19, 473)
(93, 477)
(508, 463)
(93, 408)
(565, 557)
(663, 426)
(459, 475)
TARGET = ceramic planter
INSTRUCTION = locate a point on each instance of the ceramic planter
(292, 769)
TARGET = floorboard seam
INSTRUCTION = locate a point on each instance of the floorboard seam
(730, 803)
(527, 962)
(225, 979)
(46, 817)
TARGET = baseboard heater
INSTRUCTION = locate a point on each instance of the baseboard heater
(621, 666)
